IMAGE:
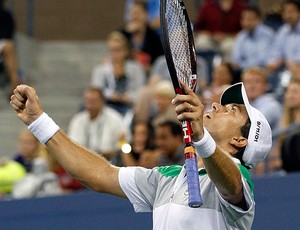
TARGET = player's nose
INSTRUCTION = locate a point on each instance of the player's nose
(217, 107)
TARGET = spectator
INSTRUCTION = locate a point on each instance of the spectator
(285, 53)
(97, 127)
(127, 7)
(119, 77)
(8, 56)
(163, 108)
(154, 104)
(38, 181)
(253, 42)
(142, 152)
(256, 84)
(223, 76)
(145, 41)
(290, 152)
(290, 123)
(29, 151)
(152, 10)
(169, 141)
(159, 72)
(272, 13)
(217, 24)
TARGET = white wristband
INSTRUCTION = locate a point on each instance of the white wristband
(43, 128)
(206, 146)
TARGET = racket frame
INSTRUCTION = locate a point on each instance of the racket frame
(195, 199)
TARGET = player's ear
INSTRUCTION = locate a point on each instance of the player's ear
(238, 142)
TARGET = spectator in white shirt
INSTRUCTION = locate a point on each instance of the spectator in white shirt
(98, 127)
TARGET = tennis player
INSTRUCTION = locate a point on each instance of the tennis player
(230, 139)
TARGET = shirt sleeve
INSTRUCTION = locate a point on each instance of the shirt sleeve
(139, 184)
(234, 215)
(248, 198)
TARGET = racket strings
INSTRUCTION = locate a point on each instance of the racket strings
(179, 41)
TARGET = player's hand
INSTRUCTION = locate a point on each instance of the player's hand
(26, 104)
(189, 107)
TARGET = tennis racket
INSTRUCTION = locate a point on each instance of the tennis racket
(179, 49)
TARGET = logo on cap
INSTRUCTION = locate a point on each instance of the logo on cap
(257, 131)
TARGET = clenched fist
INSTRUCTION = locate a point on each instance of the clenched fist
(26, 104)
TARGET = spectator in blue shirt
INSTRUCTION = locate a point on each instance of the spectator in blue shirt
(253, 42)
(286, 50)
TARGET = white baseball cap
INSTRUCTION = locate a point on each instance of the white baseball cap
(260, 133)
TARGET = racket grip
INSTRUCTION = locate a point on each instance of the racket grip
(195, 199)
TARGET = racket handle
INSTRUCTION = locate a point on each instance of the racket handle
(195, 199)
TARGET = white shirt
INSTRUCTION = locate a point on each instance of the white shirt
(101, 134)
(163, 190)
(103, 78)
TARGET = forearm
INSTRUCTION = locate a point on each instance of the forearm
(87, 167)
(225, 174)
(90, 169)
(220, 168)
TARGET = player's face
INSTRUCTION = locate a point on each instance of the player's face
(225, 122)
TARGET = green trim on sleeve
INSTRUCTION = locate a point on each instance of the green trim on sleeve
(247, 176)
(170, 171)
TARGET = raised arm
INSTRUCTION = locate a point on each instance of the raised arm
(87, 167)
(221, 169)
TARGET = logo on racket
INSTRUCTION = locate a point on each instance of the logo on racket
(192, 81)
(185, 129)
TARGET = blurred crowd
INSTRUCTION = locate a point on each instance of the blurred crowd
(126, 113)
